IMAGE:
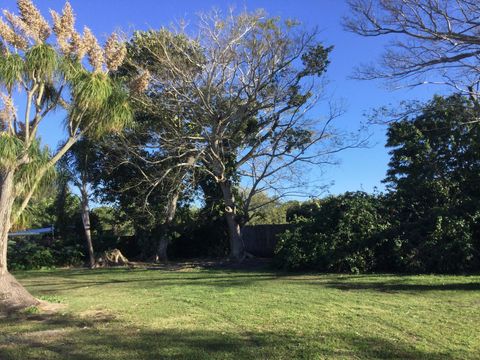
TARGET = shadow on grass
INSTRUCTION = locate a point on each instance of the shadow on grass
(394, 286)
(64, 280)
(74, 280)
(65, 337)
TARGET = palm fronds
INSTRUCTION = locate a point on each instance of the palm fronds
(11, 69)
(100, 105)
(41, 62)
(11, 148)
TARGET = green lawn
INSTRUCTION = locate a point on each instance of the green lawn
(222, 314)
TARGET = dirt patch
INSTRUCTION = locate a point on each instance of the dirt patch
(45, 336)
(48, 308)
(97, 315)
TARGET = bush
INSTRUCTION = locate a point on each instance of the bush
(27, 254)
(356, 232)
(339, 234)
(433, 193)
(440, 244)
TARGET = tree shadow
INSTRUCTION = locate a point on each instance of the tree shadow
(62, 281)
(396, 286)
(68, 337)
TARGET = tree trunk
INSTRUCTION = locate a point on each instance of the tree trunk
(86, 224)
(7, 197)
(162, 247)
(237, 249)
(13, 296)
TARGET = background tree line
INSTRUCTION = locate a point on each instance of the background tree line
(426, 220)
(217, 131)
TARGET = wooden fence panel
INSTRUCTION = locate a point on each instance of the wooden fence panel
(261, 240)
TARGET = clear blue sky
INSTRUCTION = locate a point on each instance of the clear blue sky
(359, 169)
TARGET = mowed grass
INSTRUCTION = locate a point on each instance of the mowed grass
(222, 314)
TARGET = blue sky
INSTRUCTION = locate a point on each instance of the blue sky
(359, 169)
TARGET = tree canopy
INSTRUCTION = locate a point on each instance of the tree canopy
(232, 103)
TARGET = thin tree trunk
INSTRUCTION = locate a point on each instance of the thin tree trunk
(12, 294)
(237, 249)
(86, 224)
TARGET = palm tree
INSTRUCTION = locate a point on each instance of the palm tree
(48, 75)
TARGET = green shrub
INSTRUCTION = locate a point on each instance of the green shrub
(338, 234)
(28, 254)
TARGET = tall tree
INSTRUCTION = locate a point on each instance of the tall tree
(433, 41)
(433, 179)
(237, 98)
(47, 75)
(137, 170)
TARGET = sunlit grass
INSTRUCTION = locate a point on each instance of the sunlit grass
(215, 314)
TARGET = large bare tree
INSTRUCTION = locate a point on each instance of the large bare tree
(432, 41)
(236, 98)
(45, 74)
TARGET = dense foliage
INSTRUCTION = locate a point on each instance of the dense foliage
(427, 222)
(337, 234)
(433, 180)
(26, 254)
(67, 245)
(64, 248)
(219, 119)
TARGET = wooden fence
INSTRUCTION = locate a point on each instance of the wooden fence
(261, 240)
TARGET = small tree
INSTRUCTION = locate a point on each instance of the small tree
(76, 165)
(47, 76)
(142, 183)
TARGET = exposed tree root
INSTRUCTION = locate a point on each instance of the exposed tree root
(13, 296)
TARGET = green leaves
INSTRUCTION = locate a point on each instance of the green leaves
(90, 91)
(315, 60)
(11, 148)
(35, 157)
(26, 175)
(433, 175)
(115, 113)
(100, 105)
(41, 62)
(11, 70)
(339, 233)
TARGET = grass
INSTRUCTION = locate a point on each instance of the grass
(222, 314)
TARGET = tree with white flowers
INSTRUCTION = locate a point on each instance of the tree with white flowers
(44, 67)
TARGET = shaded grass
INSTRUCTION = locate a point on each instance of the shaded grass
(221, 314)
